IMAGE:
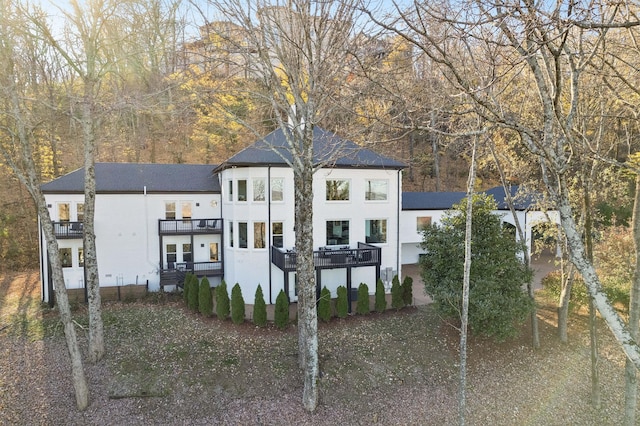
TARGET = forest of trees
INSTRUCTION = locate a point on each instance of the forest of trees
(550, 91)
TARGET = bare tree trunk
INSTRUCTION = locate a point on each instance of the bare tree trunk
(462, 395)
(593, 331)
(535, 336)
(631, 386)
(307, 314)
(62, 300)
(436, 153)
(566, 281)
(92, 282)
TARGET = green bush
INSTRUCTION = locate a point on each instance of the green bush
(259, 309)
(342, 302)
(397, 302)
(281, 315)
(194, 290)
(185, 287)
(237, 305)
(381, 300)
(362, 308)
(498, 304)
(407, 290)
(324, 305)
(222, 301)
(205, 301)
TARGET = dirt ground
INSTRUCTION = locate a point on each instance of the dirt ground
(165, 365)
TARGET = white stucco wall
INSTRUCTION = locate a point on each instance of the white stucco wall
(127, 238)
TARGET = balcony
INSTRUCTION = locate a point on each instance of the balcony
(67, 230)
(189, 226)
(176, 274)
(330, 258)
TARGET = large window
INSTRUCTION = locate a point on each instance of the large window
(376, 189)
(259, 190)
(337, 232)
(277, 189)
(337, 190)
(80, 212)
(259, 234)
(422, 222)
(375, 230)
(242, 235)
(186, 210)
(242, 190)
(63, 212)
(277, 234)
(170, 210)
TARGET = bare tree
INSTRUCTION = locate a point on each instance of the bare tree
(484, 48)
(16, 146)
(297, 51)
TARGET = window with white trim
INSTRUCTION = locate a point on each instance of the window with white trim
(337, 189)
(259, 235)
(259, 189)
(376, 189)
(277, 189)
(375, 230)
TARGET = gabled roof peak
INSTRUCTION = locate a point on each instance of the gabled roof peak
(329, 150)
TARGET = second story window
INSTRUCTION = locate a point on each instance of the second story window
(186, 210)
(230, 190)
(80, 212)
(242, 190)
(277, 234)
(242, 235)
(337, 190)
(259, 230)
(337, 232)
(170, 210)
(375, 230)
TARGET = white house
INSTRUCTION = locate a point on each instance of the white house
(235, 221)
(424, 208)
(155, 222)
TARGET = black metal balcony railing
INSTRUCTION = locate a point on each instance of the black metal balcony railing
(177, 273)
(189, 226)
(364, 255)
(67, 229)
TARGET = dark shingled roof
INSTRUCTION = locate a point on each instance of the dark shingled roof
(446, 200)
(133, 177)
(327, 148)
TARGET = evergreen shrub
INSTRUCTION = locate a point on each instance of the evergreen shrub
(362, 307)
(397, 301)
(407, 290)
(281, 315)
(194, 290)
(381, 300)
(237, 305)
(342, 302)
(205, 300)
(222, 301)
(259, 308)
(324, 305)
(185, 288)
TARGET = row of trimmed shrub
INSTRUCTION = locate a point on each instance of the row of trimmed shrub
(199, 298)
(401, 296)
